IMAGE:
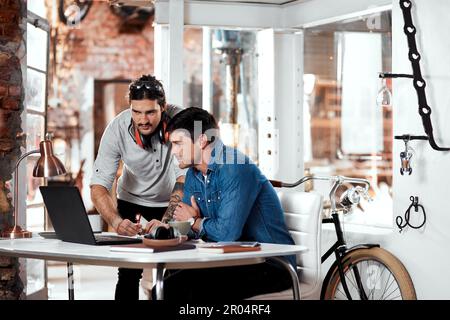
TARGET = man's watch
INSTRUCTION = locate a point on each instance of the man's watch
(194, 220)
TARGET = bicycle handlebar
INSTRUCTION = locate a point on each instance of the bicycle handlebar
(337, 182)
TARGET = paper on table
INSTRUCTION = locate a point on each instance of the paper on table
(134, 247)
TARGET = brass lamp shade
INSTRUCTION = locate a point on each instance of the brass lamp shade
(48, 165)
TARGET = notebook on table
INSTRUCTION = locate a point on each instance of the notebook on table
(70, 220)
(142, 248)
(228, 247)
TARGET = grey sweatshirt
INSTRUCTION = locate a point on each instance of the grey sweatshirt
(148, 176)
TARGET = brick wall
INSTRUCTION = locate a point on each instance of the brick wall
(97, 49)
(12, 31)
(94, 51)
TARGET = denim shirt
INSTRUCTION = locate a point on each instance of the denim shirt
(236, 201)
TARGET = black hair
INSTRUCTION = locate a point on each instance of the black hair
(147, 87)
(186, 120)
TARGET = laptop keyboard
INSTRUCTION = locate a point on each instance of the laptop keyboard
(109, 238)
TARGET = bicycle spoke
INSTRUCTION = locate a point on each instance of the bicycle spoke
(342, 293)
(385, 288)
(350, 281)
(378, 279)
(388, 290)
(384, 268)
(352, 272)
(360, 273)
(392, 293)
(371, 291)
(396, 297)
(390, 284)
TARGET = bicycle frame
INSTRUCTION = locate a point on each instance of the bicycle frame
(339, 248)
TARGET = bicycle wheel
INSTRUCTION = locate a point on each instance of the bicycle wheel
(383, 277)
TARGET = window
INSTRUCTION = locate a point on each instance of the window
(35, 113)
(36, 108)
(347, 133)
(193, 67)
(231, 77)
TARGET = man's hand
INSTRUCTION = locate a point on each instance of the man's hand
(184, 212)
(154, 224)
(128, 228)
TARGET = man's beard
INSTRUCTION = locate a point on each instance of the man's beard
(147, 138)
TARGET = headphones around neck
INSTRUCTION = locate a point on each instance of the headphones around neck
(145, 142)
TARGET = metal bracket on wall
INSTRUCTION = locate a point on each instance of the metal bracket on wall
(418, 81)
(403, 223)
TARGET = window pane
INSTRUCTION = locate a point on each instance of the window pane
(33, 194)
(35, 91)
(37, 7)
(37, 47)
(35, 219)
(346, 131)
(192, 56)
(234, 88)
(359, 93)
(35, 131)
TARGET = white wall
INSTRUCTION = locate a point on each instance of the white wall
(425, 253)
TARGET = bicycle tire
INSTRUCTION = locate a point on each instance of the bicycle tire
(379, 255)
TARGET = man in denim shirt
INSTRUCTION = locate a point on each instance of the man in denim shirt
(227, 198)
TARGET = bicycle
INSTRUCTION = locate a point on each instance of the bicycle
(364, 271)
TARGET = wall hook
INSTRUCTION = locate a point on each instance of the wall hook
(414, 204)
(405, 156)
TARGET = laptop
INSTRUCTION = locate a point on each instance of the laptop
(69, 218)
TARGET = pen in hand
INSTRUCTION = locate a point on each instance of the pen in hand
(138, 221)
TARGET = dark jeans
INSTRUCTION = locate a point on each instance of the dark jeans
(127, 287)
(224, 283)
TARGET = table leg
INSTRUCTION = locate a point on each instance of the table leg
(159, 281)
(293, 274)
(70, 280)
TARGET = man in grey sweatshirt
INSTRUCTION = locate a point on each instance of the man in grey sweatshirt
(151, 183)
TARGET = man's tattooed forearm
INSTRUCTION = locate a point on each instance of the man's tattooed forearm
(169, 213)
(175, 198)
(179, 186)
(173, 203)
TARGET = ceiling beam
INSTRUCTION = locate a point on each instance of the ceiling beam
(318, 12)
(223, 14)
(297, 14)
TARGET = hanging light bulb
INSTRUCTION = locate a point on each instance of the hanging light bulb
(384, 96)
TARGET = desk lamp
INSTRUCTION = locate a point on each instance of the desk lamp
(48, 165)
